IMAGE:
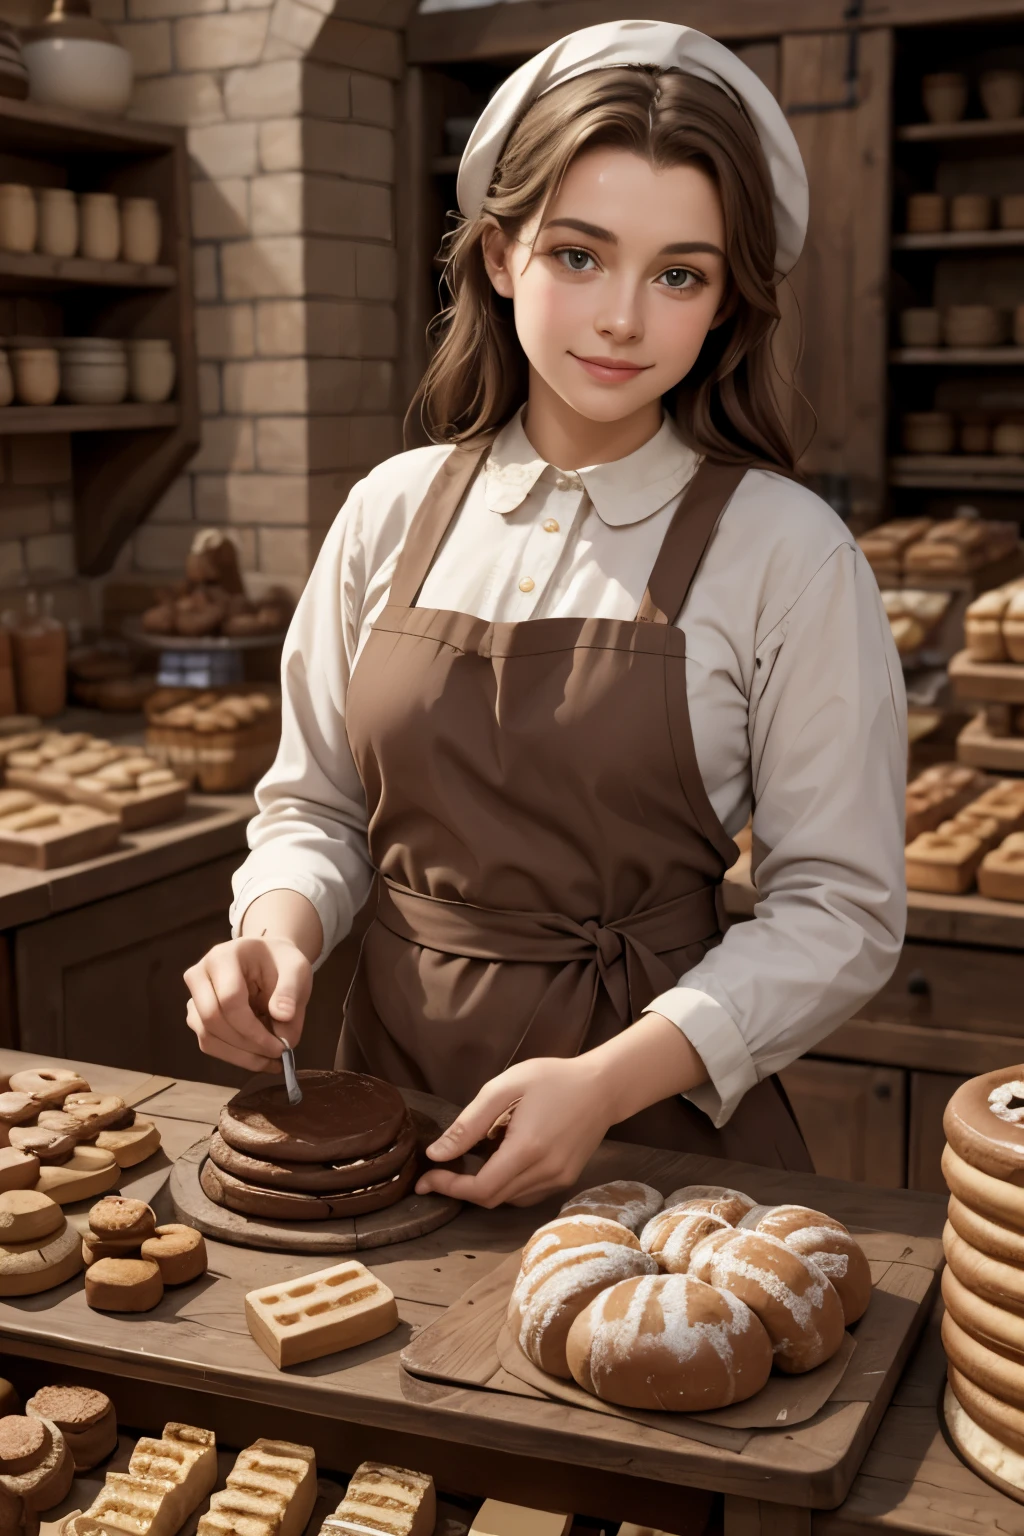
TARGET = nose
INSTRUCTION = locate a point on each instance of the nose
(620, 317)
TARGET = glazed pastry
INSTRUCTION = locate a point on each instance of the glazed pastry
(84, 1417)
(97, 1112)
(179, 1253)
(50, 1085)
(827, 1243)
(27, 1216)
(671, 1236)
(27, 1268)
(573, 1232)
(318, 1314)
(167, 1479)
(670, 1342)
(547, 1300)
(622, 1200)
(123, 1285)
(731, 1204)
(390, 1500)
(283, 1478)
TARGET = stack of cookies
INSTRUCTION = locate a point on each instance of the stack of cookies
(39, 1249)
(131, 1259)
(983, 1282)
(85, 1417)
(349, 1148)
(36, 1469)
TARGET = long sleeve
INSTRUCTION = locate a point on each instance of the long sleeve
(310, 831)
(827, 735)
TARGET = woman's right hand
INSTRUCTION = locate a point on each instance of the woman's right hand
(240, 987)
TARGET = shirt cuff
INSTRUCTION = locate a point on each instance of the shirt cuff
(309, 886)
(715, 1037)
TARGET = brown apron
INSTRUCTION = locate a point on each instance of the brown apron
(547, 857)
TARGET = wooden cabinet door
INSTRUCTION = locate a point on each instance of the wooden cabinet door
(853, 1119)
(930, 1092)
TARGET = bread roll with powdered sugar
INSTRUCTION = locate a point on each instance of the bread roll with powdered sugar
(574, 1232)
(669, 1342)
(671, 1236)
(623, 1200)
(547, 1300)
(827, 1243)
(730, 1204)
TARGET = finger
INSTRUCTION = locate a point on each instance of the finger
(287, 1005)
(213, 1045)
(230, 983)
(475, 1120)
(489, 1187)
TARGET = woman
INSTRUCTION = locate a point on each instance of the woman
(539, 677)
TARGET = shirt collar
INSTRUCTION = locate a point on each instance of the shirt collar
(624, 491)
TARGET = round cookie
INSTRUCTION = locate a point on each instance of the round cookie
(18, 1169)
(573, 1232)
(669, 1342)
(178, 1251)
(731, 1204)
(988, 1237)
(989, 1324)
(797, 1304)
(993, 1280)
(343, 1115)
(95, 1248)
(999, 1419)
(547, 1300)
(48, 1481)
(224, 1189)
(123, 1219)
(85, 1418)
(123, 1285)
(998, 1199)
(50, 1085)
(27, 1268)
(984, 1123)
(993, 1371)
(312, 1178)
(626, 1201)
(827, 1243)
(26, 1215)
(671, 1236)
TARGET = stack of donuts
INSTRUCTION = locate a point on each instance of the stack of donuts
(983, 1282)
(684, 1303)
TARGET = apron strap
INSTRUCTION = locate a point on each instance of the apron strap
(431, 521)
(688, 536)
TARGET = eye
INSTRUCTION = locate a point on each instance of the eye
(574, 259)
(680, 278)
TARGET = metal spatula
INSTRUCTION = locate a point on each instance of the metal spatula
(291, 1082)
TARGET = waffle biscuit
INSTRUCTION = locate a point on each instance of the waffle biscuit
(84, 1417)
(166, 1480)
(18, 1169)
(50, 1085)
(97, 1112)
(117, 1216)
(343, 1115)
(26, 1215)
(48, 1481)
(27, 1268)
(317, 1314)
(271, 1491)
(132, 1145)
(224, 1189)
(178, 1251)
(16, 1109)
(311, 1178)
(123, 1285)
(87, 1172)
(390, 1500)
(48, 1146)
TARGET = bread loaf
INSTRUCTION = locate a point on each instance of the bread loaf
(622, 1200)
(671, 1236)
(827, 1243)
(797, 1304)
(547, 1300)
(669, 1342)
(574, 1232)
(731, 1204)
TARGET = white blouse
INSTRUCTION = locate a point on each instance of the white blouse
(795, 695)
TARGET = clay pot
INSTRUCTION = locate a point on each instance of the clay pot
(140, 231)
(76, 62)
(975, 434)
(37, 375)
(926, 213)
(151, 371)
(6, 380)
(58, 222)
(920, 327)
(970, 211)
(19, 219)
(1011, 210)
(928, 432)
(1002, 93)
(101, 226)
(1008, 437)
(95, 379)
(973, 325)
(944, 97)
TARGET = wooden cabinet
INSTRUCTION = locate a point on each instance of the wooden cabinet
(854, 1119)
(930, 1092)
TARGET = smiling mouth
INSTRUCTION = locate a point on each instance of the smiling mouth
(609, 369)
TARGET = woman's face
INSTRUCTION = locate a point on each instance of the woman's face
(615, 291)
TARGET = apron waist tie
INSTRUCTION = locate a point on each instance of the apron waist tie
(486, 933)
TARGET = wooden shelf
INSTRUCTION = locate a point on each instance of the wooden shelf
(986, 682)
(967, 357)
(969, 128)
(962, 240)
(963, 471)
(56, 131)
(18, 420)
(73, 271)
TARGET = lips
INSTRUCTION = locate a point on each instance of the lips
(610, 370)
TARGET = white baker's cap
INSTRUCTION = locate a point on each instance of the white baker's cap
(666, 46)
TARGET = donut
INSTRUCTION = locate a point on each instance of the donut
(984, 1123)
(669, 1342)
(50, 1085)
(574, 1232)
(991, 1279)
(986, 1236)
(343, 1115)
(622, 1200)
(985, 1322)
(997, 1199)
(989, 1368)
(797, 1304)
(996, 1418)
(825, 1241)
(730, 1204)
(984, 1453)
(547, 1300)
(671, 1236)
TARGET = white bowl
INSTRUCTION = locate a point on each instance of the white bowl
(79, 73)
(94, 382)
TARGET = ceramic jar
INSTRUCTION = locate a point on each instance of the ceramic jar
(1002, 93)
(151, 371)
(140, 231)
(1011, 210)
(1008, 436)
(970, 211)
(19, 219)
(973, 325)
(36, 375)
(101, 226)
(76, 62)
(920, 328)
(94, 371)
(58, 222)
(928, 432)
(926, 213)
(944, 97)
(6, 380)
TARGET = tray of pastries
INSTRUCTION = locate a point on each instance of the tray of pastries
(45, 834)
(220, 739)
(956, 546)
(965, 828)
(124, 781)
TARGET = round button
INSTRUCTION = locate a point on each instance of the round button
(526, 585)
(551, 526)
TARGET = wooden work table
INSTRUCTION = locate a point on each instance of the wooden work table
(193, 1356)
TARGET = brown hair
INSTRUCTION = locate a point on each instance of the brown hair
(726, 405)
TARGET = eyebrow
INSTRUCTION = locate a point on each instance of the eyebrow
(678, 248)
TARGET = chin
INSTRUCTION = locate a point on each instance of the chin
(614, 403)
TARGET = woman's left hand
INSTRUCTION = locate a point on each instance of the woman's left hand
(561, 1117)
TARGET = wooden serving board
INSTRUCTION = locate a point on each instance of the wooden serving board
(86, 835)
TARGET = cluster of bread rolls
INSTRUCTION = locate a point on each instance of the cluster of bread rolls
(994, 624)
(684, 1303)
(212, 599)
(983, 1282)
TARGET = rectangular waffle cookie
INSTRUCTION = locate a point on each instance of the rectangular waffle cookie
(271, 1490)
(317, 1314)
(166, 1480)
(391, 1501)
